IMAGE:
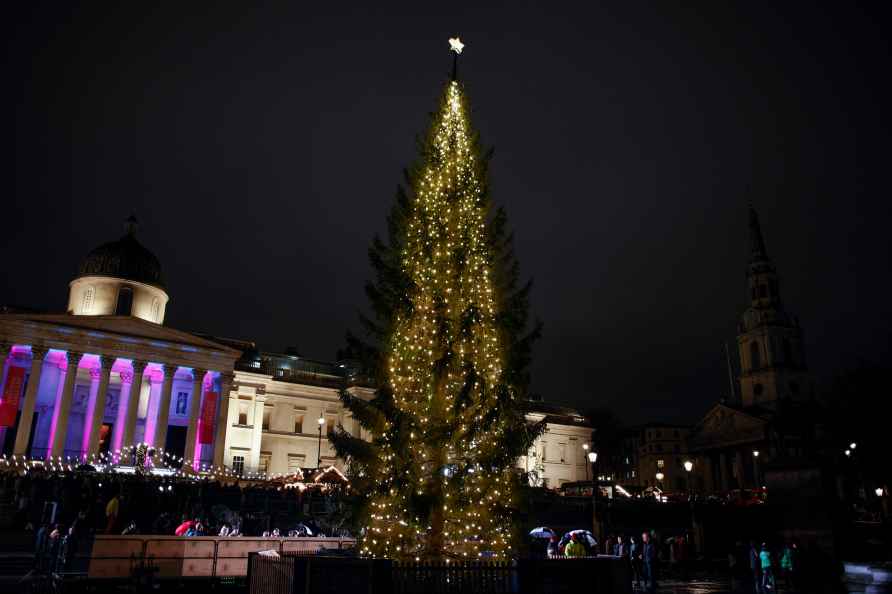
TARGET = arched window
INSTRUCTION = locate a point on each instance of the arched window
(89, 298)
(156, 310)
(755, 355)
(125, 301)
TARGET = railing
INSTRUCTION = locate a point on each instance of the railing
(303, 574)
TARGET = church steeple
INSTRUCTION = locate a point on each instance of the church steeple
(757, 243)
(764, 288)
(772, 359)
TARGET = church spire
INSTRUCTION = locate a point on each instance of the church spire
(757, 243)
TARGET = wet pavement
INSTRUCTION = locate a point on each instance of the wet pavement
(706, 585)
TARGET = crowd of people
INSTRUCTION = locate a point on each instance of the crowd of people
(768, 566)
(643, 554)
(64, 509)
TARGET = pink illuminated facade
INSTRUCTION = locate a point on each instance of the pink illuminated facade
(108, 374)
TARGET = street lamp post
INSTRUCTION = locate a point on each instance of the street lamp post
(596, 492)
(688, 467)
(585, 447)
(756, 476)
(321, 421)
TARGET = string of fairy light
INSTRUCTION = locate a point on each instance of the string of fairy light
(452, 318)
(117, 461)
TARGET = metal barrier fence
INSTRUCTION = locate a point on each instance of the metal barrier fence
(302, 574)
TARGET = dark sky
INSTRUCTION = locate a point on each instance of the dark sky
(260, 148)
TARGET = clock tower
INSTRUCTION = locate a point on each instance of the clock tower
(769, 340)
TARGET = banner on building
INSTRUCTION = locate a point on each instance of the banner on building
(208, 415)
(12, 391)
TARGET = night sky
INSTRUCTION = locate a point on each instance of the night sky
(260, 149)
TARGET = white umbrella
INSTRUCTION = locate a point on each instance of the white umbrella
(542, 532)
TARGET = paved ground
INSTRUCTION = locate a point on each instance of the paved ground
(706, 585)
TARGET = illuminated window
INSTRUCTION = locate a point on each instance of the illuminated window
(238, 464)
(263, 465)
(156, 310)
(329, 425)
(89, 297)
(661, 463)
(298, 423)
(243, 413)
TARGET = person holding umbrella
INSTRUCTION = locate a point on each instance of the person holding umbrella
(574, 548)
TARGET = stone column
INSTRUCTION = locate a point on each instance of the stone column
(139, 368)
(723, 471)
(257, 429)
(60, 425)
(158, 440)
(94, 421)
(738, 469)
(194, 402)
(222, 418)
(23, 434)
(5, 350)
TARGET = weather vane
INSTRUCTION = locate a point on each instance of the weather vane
(455, 45)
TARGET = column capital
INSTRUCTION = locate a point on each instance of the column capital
(73, 357)
(126, 376)
(139, 366)
(227, 377)
(106, 362)
(169, 369)
(5, 348)
(198, 374)
(39, 352)
(95, 373)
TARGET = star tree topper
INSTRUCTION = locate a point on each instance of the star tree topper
(456, 45)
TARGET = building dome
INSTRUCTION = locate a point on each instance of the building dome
(125, 258)
(120, 278)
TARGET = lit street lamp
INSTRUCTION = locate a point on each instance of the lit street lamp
(688, 467)
(596, 493)
(321, 421)
(585, 447)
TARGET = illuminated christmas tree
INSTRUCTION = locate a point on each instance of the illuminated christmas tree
(449, 350)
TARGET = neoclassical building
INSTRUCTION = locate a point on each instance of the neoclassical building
(737, 438)
(108, 373)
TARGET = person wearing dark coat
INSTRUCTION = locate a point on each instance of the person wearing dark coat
(620, 549)
(755, 568)
(41, 543)
(649, 562)
(635, 561)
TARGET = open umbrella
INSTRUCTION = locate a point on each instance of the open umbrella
(182, 528)
(583, 536)
(542, 532)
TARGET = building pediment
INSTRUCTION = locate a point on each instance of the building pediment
(120, 336)
(125, 326)
(726, 425)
